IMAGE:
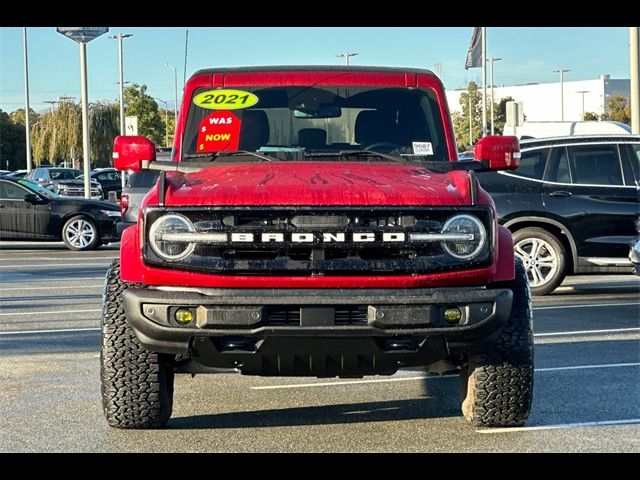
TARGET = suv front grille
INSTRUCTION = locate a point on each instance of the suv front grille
(319, 240)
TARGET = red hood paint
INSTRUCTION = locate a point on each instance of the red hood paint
(315, 183)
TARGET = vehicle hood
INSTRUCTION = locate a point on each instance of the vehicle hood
(79, 183)
(83, 202)
(316, 183)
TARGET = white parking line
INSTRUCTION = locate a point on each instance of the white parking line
(58, 265)
(422, 377)
(587, 306)
(59, 330)
(11, 314)
(628, 421)
(587, 332)
(99, 285)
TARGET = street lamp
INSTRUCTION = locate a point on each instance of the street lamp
(175, 79)
(491, 60)
(119, 37)
(583, 92)
(27, 114)
(561, 71)
(346, 56)
(166, 120)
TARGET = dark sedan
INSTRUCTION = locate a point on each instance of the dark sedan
(31, 212)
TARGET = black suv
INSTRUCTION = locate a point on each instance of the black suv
(571, 205)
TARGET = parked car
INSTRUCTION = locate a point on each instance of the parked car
(29, 211)
(63, 182)
(138, 184)
(634, 251)
(109, 180)
(571, 205)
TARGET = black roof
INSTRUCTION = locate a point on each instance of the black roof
(313, 68)
(550, 141)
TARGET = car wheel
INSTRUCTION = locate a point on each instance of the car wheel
(80, 233)
(497, 385)
(543, 256)
(137, 385)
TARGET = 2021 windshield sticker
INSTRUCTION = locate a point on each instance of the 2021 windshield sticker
(225, 99)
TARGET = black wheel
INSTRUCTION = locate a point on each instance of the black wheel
(80, 233)
(137, 385)
(543, 256)
(498, 384)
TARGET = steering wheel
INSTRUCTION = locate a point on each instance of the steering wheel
(386, 146)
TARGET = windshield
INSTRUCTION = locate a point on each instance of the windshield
(63, 174)
(293, 122)
(37, 188)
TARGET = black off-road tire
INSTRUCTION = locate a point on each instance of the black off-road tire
(498, 384)
(137, 385)
(554, 280)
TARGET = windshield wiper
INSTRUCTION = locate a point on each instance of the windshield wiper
(213, 156)
(357, 153)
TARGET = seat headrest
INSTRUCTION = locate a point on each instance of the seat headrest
(312, 137)
(254, 130)
(374, 126)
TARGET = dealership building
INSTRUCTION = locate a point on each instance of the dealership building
(541, 101)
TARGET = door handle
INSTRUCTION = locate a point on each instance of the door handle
(560, 193)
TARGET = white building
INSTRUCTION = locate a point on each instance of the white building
(541, 101)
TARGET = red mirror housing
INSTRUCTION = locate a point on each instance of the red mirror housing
(130, 151)
(500, 152)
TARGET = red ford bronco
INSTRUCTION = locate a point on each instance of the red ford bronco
(316, 222)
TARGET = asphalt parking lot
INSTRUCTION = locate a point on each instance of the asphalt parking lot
(587, 383)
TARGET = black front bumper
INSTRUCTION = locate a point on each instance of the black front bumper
(327, 332)
(120, 226)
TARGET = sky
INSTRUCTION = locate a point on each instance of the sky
(528, 55)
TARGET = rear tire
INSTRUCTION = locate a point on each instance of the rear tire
(543, 256)
(137, 385)
(80, 233)
(497, 385)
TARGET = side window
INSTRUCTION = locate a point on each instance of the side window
(595, 164)
(634, 164)
(532, 164)
(559, 166)
(9, 191)
(101, 177)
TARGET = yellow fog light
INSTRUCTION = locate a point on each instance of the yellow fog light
(452, 315)
(183, 316)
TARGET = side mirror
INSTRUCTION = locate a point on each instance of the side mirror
(32, 198)
(500, 152)
(130, 151)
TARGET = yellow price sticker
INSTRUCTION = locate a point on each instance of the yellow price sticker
(225, 99)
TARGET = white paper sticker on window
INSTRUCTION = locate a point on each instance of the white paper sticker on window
(422, 148)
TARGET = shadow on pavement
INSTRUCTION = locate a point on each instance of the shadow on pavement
(442, 399)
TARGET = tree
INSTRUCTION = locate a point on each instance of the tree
(57, 136)
(18, 117)
(618, 109)
(139, 104)
(500, 114)
(104, 125)
(461, 119)
(590, 116)
(12, 143)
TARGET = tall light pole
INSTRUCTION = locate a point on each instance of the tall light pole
(582, 92)
(562, 71)
(82, 35)
(470, 119)
(175, 75)
(51, 102)
(484, 81)
(491, 60)
(634, 68)
(119, 37)
(166, 120)
(27, 114)
(346, 56)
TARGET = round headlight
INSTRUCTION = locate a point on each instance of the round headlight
(473, 232)
(164, 236)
